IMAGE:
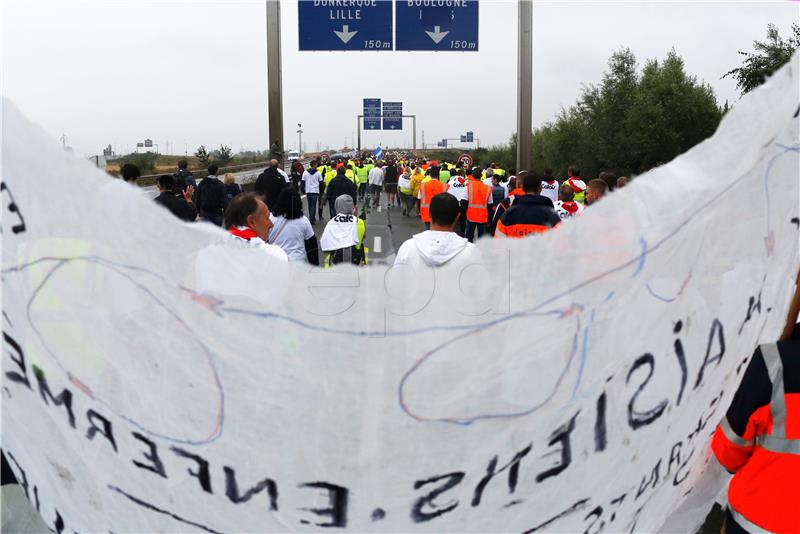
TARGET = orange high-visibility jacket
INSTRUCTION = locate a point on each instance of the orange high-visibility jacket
(478, 196)
(428, 190)
(759, 441)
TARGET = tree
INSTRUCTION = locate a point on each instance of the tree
(769, 56)
(202, 155)
(630, 121)
(145, 161)
(223, 156)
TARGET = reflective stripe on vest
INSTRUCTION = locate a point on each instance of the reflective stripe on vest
(777, 441)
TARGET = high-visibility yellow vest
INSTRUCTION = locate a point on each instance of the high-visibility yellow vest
(350, 175)
(444, 176)
(330, 175)
(362, 173)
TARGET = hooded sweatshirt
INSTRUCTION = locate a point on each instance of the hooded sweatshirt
(436, 249)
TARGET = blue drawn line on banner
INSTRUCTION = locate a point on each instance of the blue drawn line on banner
(117, 267)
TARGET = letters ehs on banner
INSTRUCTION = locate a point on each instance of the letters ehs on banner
(140, 392)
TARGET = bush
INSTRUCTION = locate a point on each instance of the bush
(145, 161)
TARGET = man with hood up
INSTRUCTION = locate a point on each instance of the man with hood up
(343, 237)
(440, 245)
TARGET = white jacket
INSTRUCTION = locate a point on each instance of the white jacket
(436, 249)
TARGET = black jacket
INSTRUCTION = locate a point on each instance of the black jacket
(341, 185)
(528, 214)
(269, 184)
(178, 206)
(390, 174)
(210, 197)
(183, 179)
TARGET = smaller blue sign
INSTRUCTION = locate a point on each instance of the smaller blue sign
(372, 123)
(463, 138)
(394, 123)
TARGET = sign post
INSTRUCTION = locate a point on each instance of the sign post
(323, 26)
(429, 26)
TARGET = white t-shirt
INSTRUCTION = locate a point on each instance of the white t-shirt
(457, 186)
(285, 176)
(565, 213)
(312, 181)
(290, 235)
(550, 190)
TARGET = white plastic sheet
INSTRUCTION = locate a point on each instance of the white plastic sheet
(157, 377)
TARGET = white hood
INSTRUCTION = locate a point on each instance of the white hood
(437, 248)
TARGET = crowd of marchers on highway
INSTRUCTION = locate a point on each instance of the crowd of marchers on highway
(456, 202)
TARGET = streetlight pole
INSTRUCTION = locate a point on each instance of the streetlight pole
(300, 139)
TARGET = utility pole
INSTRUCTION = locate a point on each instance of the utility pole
(274, 75)
(524, 84)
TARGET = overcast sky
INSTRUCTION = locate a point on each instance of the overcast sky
(194, 72)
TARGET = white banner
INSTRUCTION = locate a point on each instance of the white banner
(159, 377)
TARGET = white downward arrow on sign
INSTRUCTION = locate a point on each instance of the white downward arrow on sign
(345, 35)
(437, 35)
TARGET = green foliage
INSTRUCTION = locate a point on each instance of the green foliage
(202, 155)
(768, 57)
(629, 122)
(145, 161)
(222, 156)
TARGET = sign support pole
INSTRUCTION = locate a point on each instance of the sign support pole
(524, 84)
(358, 125)
(274, 75)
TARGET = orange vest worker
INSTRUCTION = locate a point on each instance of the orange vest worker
(428, 190)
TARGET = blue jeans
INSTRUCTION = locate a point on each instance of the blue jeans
(471, 226)
(362, 191)
(312, 206)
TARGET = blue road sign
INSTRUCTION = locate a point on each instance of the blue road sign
(393, 123)
(372, 123)
(423, 26)
(372, 107)
(470, 137)
(345, 24)
(463, 138)
(393, 109)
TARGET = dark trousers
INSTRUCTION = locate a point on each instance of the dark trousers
(362, 191)
(312, 199)
(332, 207)
(471, 227)
(321, 191)
(427, 226)
(214, 219)
(462, 220)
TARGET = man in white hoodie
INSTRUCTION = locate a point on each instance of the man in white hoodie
(440, 245)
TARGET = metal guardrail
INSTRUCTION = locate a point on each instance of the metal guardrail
(151, 179)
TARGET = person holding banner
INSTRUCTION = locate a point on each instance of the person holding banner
(758, 440)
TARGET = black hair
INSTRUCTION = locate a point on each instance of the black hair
(239, 208)
(548, 173)
(444, 209)
(434, 172)
(182, 164)
(289, 204)
(340, 170)
(166, 181)
(130, 172)
(212, 169)
(531, 183)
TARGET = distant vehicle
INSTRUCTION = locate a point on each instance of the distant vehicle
(294, 154)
